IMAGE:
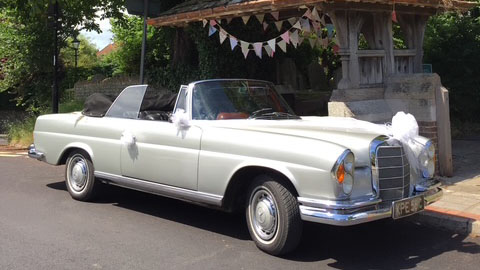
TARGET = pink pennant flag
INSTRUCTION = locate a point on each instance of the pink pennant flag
(394, 16)
(275, 15)
(245, 19)
(272, 44)
(213, 22)
(294, 38)
(308, 14)
(205, 22)
(305, 25)
(260, 17)
(282, 45)
(286, 37)
(212, 30)
(222, 35)
(265, 26)
(245, 48)
(233, 42)
(258, 49)
(279, 25)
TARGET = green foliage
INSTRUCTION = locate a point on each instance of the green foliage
(452, 46)
(21, 133)
(87, 53)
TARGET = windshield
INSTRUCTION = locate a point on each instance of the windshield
(238, 99)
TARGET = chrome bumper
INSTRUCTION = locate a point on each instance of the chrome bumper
(347, 213)
(33, 153)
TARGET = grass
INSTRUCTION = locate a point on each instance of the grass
(20, 133)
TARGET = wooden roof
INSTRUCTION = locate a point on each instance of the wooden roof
(197, 10)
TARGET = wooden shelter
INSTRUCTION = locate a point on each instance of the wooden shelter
(376, 82)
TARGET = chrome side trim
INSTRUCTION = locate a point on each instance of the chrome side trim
(160, 189)
(33, 153)
(339, 205)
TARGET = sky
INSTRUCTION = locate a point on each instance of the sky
(103, 39)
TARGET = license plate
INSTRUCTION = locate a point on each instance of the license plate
(407, 207)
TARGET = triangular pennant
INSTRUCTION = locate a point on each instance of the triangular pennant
(275, 15)
(292, 21)
(305, 25)
(315, 15)
(211, 30)
(213, 22)
(245, 49)
(282, 45)
(313, 41)
(297, 25)
(258, 49)
(286, 37)
(229, 20)
(279, 25)
(265, 26)
(316, 26)
(205, 22)
(268, 50)
(394, 16)
(260, 17)
(245, 19)
(308, 14)
(222, 35)
(322, 19)
(233, 42)
(329, 30)
(272, 43)
(294, 38)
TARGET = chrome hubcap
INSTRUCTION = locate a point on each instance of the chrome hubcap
(263, 212)
(78, 173)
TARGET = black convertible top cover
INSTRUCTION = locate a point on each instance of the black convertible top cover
(97, 105)
(159, 102)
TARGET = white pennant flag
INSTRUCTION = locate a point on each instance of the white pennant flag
(322, 20)
(233, 42)
(222, 35)
(260, 17)
(272, 44)
(286, 37)
(279, 25)
(305, 25)
(204, 22)
(275, 15)
(297, 25)
(292, 21)
(258, 49)
(212, 30)
(265, 26)
(315, 15)
(294, 38)
(283, 45)
(245, 19)
(308, 14)
(268, 50)
(229, 20)
(245, 49)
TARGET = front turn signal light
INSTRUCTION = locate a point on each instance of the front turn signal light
(341, 174)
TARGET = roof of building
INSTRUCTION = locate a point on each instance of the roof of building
(107, 50)
(197, 10)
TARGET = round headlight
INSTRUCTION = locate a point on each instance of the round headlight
(430, 149)
(343, 172)
(348, 184)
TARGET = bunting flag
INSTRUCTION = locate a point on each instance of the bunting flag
(294, 38)
(275, 15)
(301, 40)
(223, 36)
(308, 14)
(212, 30)
(336, 49)
(315, 15)
(233, 42)
(272, 44)
(305, 25)
(229, 20)
(265, 26)
(213, 22)
(258, 48)
(292, 21)
(245, 49)
(268, 50)
(316, 26)
(282, 45)
(260, 17)
(286, 37)
(329, 30)
(394, 17)
(245, 19)
(297, 25)
(279, 25)
(205, 22)
(322, 20)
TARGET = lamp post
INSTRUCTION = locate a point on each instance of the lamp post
(76, 45)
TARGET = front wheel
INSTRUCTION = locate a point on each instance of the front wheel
(273, 216)
(79, 176)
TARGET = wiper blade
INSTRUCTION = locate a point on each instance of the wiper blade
(260, 112)
(278, 115)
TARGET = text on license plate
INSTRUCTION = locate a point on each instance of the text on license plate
(408, 206)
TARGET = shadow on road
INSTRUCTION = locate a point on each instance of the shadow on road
(384, 244)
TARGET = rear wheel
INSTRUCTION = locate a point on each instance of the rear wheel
(273, 216)
(79, 176)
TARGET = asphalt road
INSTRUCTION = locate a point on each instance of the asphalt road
(41, 227)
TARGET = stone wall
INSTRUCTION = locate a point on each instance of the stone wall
(8, 117)
(109, 86)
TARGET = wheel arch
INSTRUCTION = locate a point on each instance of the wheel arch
(233, 199)
(72, 147)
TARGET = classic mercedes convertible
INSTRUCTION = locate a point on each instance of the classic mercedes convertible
(237, 145)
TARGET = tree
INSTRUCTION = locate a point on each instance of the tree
(87, 53)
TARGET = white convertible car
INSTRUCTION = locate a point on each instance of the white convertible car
(236, 145)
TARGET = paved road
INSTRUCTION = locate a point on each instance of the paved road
(41, 227)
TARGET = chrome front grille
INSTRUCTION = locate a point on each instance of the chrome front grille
(392, 171)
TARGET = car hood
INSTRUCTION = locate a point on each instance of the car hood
(350, 133)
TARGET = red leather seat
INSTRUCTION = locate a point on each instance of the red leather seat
(226, 116)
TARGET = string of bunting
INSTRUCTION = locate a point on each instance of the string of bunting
(300, 29)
